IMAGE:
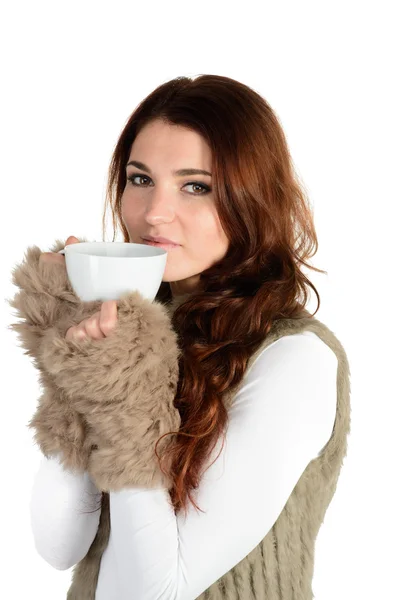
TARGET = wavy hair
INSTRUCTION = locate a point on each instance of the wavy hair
(265, 213)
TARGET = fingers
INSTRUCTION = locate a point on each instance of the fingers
(98, 326)
(71, 240)
(88, 328)
(52, 257)
(73, 333)
(108, 316)
(92, 328)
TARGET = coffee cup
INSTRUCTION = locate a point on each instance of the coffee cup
(106, 270)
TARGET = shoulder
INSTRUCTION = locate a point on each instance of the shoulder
(291, 386)
(305, 350)
(295, 363)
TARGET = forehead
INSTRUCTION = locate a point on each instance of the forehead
(167, 142)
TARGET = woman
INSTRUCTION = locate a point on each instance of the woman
(138, 395)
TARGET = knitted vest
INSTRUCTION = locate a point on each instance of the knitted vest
(281, 566)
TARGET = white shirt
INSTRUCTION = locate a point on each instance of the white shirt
(281, 418)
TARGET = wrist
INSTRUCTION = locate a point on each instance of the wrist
(61, 430)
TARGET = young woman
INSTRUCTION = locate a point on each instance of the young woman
(196, 440)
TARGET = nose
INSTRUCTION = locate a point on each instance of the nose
(161, 207)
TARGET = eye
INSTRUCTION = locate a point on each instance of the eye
(205, 187)
(132, 177)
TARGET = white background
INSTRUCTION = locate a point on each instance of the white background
(71, 76)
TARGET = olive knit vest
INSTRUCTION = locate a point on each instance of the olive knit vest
(281, 566)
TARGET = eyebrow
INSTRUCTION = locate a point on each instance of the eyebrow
(180, 172)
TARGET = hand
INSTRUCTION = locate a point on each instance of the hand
(98, 326)
(54, 257)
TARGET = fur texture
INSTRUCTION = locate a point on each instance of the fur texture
(105, 402)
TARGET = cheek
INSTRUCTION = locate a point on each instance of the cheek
(210, 230)
(128, 212)
(125, 205)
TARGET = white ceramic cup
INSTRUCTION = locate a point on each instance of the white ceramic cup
(106, 270)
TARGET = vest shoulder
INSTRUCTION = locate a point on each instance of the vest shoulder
(306, 323)
(303, 342)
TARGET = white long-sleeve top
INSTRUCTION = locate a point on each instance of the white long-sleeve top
(281, 418)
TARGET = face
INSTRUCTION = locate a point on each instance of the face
(158, 202)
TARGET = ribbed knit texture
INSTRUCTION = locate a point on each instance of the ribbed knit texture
(281, 566)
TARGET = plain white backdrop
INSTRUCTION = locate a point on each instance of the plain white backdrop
(72, 74)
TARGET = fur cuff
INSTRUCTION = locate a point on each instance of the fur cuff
(124, 385)
(60, 429)
(45, 296)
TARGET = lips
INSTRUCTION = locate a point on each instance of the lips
(160, 245)
(160, 240)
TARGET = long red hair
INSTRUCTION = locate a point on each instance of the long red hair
(264, 211)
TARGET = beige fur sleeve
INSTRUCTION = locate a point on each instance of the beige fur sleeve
(45, 295)
(108, 400)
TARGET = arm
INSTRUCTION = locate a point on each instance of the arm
(106, 402)
(279, 421)
(64, 515)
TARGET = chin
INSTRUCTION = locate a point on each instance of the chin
(169, 276)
